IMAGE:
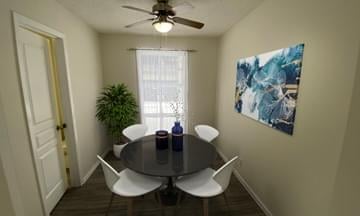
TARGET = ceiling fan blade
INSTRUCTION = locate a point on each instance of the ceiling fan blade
(139, 22)
(183, 7)
(188, 22)
(138, 9)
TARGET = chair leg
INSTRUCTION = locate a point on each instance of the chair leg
(130, 207)
(178, 199)
(157, 196)
(206, 206)
(177, 206)
(111, 199)
(227, 202)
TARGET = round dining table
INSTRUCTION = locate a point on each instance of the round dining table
(144, 157)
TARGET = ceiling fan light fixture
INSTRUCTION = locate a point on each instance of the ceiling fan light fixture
(163, 26)
(165, 16)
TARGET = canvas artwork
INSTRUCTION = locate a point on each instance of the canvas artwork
(267, 87)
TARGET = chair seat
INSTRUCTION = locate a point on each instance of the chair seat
(132, 184)
(206, 132)
(200, 184)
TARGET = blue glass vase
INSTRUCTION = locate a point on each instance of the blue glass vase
(177, 137)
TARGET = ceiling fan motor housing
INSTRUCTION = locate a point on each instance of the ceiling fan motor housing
(165, 17)
(162, 8)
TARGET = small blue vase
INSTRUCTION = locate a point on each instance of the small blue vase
(177, 137)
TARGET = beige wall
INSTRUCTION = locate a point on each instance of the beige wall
(5, 199)
(5, 203)
(293, 175)
(346, 194)
(119, 65)
(86, 82)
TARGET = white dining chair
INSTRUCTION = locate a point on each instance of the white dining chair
(135, 131)
(206, 132)
(207, 183)
(127, 184)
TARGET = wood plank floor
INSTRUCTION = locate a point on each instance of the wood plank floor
(93, 198)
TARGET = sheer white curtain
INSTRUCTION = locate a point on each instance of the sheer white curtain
(162, 80)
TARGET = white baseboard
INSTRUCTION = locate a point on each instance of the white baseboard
(92, 169)
(247, 186)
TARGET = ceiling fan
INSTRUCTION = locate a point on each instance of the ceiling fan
(165, 16)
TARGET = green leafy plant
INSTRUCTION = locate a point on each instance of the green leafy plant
(116, 109)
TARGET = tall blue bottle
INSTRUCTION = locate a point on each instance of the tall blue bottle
(177, 137)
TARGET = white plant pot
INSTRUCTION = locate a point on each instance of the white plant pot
(117, 149)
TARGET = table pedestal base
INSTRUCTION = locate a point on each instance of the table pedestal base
(169, 195)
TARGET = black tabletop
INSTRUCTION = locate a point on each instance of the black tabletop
(142, 156)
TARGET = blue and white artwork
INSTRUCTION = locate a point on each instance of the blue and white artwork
(267, 87)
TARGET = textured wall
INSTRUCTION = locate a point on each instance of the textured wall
(346, 194)
(293, 175)
(5, 197)
(5, 203)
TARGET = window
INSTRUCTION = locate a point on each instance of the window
(162, 80)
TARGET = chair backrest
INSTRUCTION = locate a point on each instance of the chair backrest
(135, 131)
(206, 132)
(111, 176)
(223, 174)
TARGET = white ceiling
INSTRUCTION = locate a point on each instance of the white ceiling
(107, 16)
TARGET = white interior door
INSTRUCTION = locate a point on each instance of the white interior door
(37, 85)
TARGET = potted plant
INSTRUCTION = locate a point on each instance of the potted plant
(116, 109)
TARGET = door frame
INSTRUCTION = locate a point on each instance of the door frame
(22, 22)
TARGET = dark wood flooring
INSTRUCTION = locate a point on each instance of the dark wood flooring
(93, 198)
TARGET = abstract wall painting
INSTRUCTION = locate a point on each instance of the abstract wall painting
(267, 87)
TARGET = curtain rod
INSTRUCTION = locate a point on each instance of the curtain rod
(162, 49)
